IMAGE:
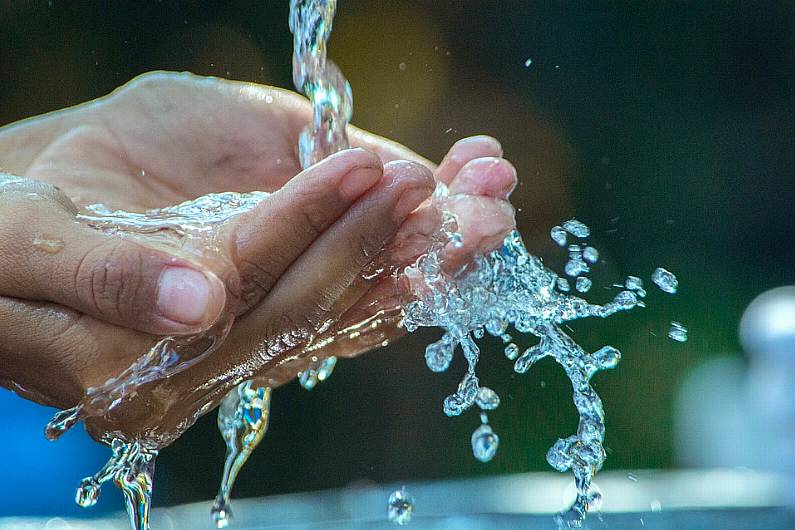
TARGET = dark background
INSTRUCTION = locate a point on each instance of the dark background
(665, 126)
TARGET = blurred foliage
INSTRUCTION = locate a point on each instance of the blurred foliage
(665, 126)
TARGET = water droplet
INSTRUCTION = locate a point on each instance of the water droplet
(577, 228)
(512, 351)
(496, 326)
(583, 284)
(485, 443)
(221, 515)
(528, 62)
(87, 493)
(590, 254)
(487, 399)
(606, 357)
(438, 355)
(48, 244)
(677, 332)
(402, 67)
(665, 280)
(400, 507)
(558, 235)
(575, 267)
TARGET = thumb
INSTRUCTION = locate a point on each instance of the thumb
(46, 256)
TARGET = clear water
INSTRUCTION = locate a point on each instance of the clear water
(508, 289)
(511, 288)
(677, 332)
(665, 280)
(243, 421)
(400, 507)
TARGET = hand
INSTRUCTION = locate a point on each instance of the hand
(296, 259)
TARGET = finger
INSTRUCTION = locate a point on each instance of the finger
(52, 354)
(487, 176)
(275, 233)
(45, 255)
(462, 152)
(327, 279)
(320, 286)
(483, 223)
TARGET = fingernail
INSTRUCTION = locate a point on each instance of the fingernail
(490, 176)
(186, 296)
(359, 180)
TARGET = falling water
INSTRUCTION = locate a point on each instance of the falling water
(320, 80)
(242, 420)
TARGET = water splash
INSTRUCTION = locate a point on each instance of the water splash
(510, 287)
(243, 421)
(131, 468)
(400, 507)
(318, 371)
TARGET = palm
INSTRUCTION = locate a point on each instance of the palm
(164, 139)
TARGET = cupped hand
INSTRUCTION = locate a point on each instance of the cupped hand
(78, 306)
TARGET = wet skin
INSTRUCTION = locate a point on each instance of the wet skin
(294, 271)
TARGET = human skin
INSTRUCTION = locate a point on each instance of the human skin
(292, 272)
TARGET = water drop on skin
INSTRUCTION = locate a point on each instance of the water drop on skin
(48, 244)
(400, 507)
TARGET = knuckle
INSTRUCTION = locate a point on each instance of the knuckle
(109, 277)
(366, 245)
(312, 218)
(258, 280)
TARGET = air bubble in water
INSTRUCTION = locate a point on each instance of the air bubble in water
(400, 507)
(665, 280)
(485, 443)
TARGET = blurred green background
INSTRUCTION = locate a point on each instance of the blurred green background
(666, 126)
